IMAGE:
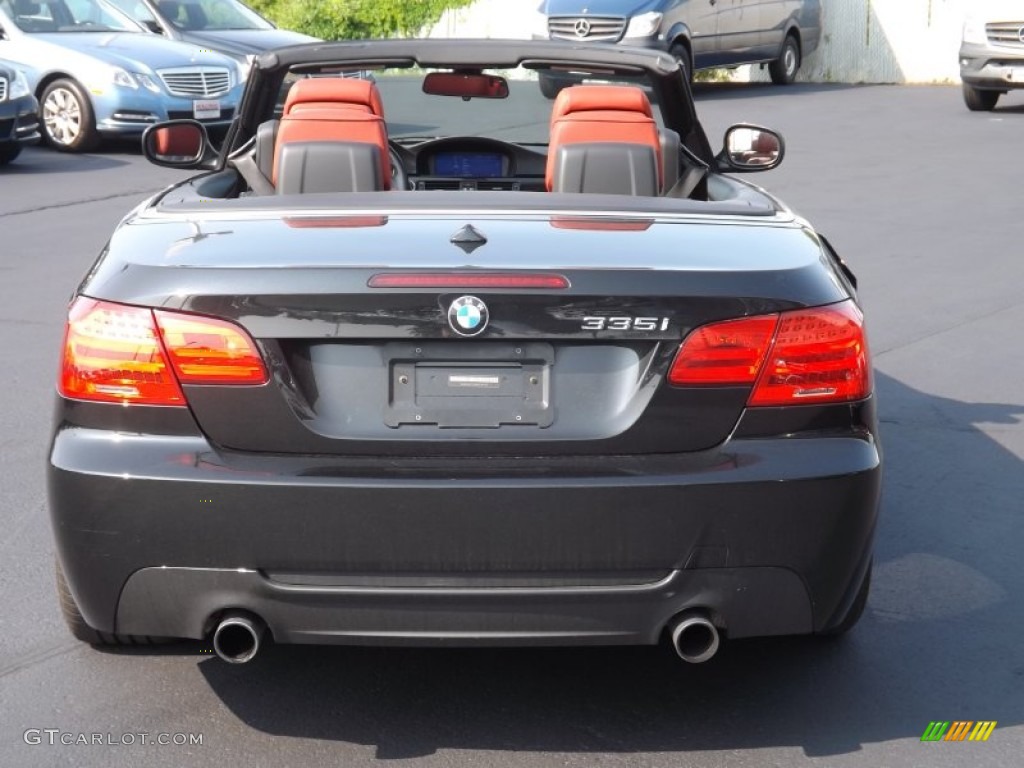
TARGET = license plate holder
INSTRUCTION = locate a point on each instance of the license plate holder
(466, 385)
(206, 109)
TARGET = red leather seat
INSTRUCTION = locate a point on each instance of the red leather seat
(334, 109)
(601, 114)
(334, 92)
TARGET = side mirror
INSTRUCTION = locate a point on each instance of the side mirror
(152, 26)
(750, 148)
(178, 144)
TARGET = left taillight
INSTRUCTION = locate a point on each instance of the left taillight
(115, 353)
(205, 350)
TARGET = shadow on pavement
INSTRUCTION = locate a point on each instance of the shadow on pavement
(940, 640)
(39, 159)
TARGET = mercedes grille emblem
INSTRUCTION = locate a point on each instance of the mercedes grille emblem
(582, 28)
(468, 316)
(1020, 34)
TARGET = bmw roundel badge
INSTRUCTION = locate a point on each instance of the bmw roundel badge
(468, 316)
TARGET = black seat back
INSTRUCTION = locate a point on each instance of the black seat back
(613, 168)
(328, 166)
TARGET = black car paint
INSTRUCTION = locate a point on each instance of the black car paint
(165, 517)
(19, 118)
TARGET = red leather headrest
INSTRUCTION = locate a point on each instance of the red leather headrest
(335, 90)
(601, 113)
(589, 98)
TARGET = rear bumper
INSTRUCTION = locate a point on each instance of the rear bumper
(157, 534)
(749, 601)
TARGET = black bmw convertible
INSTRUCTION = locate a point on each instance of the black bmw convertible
(435, 360)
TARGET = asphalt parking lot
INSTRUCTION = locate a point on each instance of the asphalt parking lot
(921, 198)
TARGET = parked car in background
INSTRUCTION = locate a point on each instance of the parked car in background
(19, 119)
(992, 53)
(226, 26)
(701, 34)
(98, 73)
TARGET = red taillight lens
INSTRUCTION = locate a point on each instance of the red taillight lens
(463, 280)
(819, 356)
(119, 354)
(113, 354)
(815, 355)
(204, 350)
(724, 354)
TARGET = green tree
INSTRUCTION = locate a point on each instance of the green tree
(355, 19)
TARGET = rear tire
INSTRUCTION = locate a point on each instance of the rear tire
(8, 152)
(856, 610)
(68, 121)
(82, 631)
(783, 70)
(978, 100)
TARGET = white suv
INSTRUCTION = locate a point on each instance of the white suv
(992, 53)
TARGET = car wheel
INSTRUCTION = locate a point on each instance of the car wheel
(978, 100)
(8, 152)
(856, 610)
(549, 87)
(682, 55)
(68, 121)
(783, 70)
(82, 631)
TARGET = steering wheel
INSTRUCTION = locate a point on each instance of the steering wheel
(399, 178)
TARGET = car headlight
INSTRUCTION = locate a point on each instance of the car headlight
(644, 25)
(147, 82)
(121, 77)
(18, 86)
(974, 30)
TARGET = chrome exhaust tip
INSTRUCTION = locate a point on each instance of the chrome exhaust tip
(237, 637)
(694, 637)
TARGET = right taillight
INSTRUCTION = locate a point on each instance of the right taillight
(817, 355)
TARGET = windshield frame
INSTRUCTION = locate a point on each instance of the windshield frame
(672, 91)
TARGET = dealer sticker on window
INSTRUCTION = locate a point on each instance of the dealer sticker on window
(206, 110)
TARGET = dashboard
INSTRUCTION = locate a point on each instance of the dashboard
(469, 165)
(472, 163)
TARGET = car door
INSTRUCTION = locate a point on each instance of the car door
(739, 31)
(772, 18)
